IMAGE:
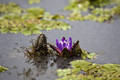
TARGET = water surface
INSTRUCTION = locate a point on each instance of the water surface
(102, 38)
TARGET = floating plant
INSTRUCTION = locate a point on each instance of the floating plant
(10, 8)
(84, 70)
(33, 1)
(95, 10)
(29, 21)
(2, 69)
(64, 48)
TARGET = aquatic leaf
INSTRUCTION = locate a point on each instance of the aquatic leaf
(10, 8)
(33, 1)
(84, 70)
(30, 21)
(2, 69)
(91, 55)
(88, 55)
(95, 10)
(63, 72)
(78, 63)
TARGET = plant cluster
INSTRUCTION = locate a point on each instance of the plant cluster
(64, 48)
(10, 8)
(95, 10)
(84, 70)
(28, 21)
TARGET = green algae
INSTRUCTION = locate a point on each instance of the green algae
(29, 21)
(95, 10)
(84, 70)
(2, 69)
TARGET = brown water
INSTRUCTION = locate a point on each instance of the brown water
(102, 38)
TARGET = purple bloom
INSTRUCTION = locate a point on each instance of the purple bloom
(64, 44)
(65, 47)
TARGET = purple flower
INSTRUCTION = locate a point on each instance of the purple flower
(65, 47)
(64, 44)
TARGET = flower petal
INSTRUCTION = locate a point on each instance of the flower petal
(56, 49)
(70, 43)
(60, 46)
(57, 43)
(63, 39)
(75, 44)
(64, 45)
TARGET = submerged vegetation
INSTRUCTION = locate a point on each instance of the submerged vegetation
(84, 70)
(2, 69)
(28, 21)
(95, 10)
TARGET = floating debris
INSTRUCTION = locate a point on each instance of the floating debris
(84, 70)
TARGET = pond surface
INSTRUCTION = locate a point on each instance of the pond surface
(102, 38)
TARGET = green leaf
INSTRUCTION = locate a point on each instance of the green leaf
(33, 1)
(2, 69)
(84, 70)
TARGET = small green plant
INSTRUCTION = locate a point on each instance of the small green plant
(2, 69)
(33, 1)
(84, 70)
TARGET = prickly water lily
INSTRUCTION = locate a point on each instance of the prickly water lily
(65, 47)
(64, 44)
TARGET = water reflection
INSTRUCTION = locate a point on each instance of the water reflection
(64, 62)
(28, 74)
(43, 62)
(37, 67)
(40, 62)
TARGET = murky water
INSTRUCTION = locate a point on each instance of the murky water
(102, 38)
